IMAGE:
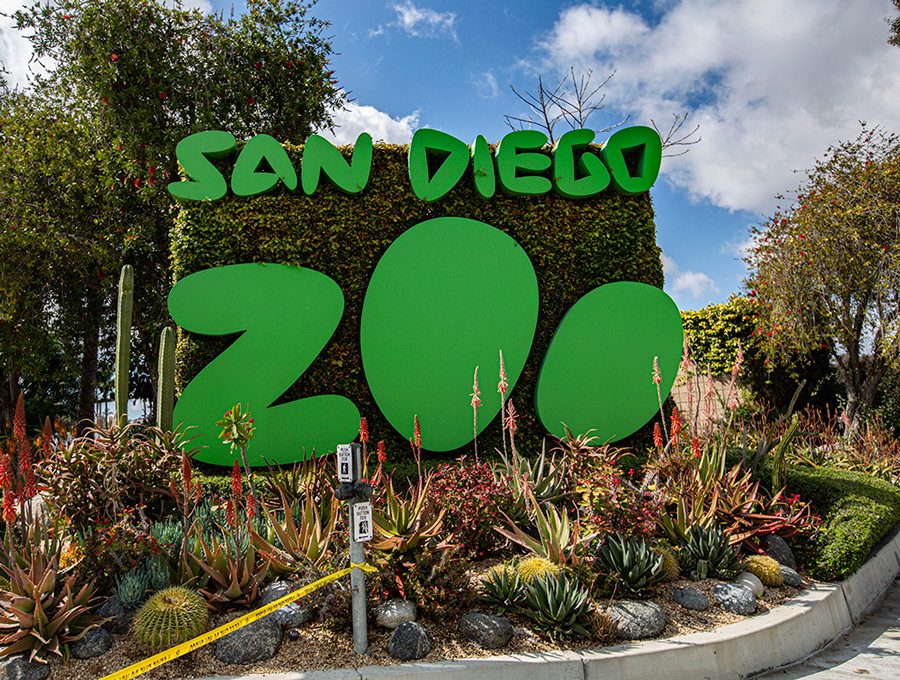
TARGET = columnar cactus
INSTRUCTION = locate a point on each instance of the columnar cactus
(165, 394)
(123, 342)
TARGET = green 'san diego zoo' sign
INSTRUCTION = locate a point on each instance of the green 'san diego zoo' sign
(447, 295)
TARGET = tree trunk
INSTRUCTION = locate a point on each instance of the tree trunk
(87, 389)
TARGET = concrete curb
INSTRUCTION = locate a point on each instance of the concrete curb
(781, 637)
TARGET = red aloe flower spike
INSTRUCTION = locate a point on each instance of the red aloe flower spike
(229, 512)
(30, 490)
(186, 470)
(503, 385)
(738, 361)
(657, 375)
(476, 402)
(417, 432)
(237, 485)
(382, 454)
(9, 507)
(657, 436)
(5, 472)
(695, 447)
(363, 430)
(251, 508)
(676, 425)
(708, 394)
(19, 419)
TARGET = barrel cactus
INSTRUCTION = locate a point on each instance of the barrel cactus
(536, 567)
(171, 616)
(766, 569)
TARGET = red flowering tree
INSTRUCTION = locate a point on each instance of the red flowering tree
(826, 270)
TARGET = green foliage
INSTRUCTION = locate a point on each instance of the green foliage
(857, 510)
(574, 247)
(558, 606)
(173, 615)
(710, 551)
(765, 568)
(634, 566)
(165, 384)
(715, 332)
(123, 342)
(825, 271)
(503, 587)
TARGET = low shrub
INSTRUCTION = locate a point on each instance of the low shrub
(858, 511)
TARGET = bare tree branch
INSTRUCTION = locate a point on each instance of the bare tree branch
(671, 139)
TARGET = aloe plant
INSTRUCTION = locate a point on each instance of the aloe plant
(235, 575)
(43, 614)
(406, 523)
(557, 538)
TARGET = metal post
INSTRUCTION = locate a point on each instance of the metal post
(358, 590)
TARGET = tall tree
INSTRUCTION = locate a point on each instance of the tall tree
(130, 79)
(826, 271)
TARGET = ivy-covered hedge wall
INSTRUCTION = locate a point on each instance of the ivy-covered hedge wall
(574, 246)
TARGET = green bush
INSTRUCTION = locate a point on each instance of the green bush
(858, 511)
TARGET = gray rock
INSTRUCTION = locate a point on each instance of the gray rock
(392, 613)
(120, 617)
(745, 578)
(486, 631)
(690, 598)
(775, 547)
(637, 620)
(409, 641)
(791, 577)
(256, 641)
(19, 668)
(735, 598)
(293, 614)
(96, 642)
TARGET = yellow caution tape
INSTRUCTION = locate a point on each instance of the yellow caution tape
(180, 650)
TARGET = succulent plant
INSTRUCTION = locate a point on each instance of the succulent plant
(534, 567)
(670, 561)
(234, 577)
(132, 588)
(43, 614)
(766, 569)
(503, 588)
(558, 606)
(169, 535)
(157, 571)
(171, 616)
(634, 566)
(603, 628)
(710, 548)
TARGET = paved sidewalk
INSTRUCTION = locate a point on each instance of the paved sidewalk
(871, 649)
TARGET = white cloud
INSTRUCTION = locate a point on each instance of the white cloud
(486, 85)
(422, 22)
(695, 284)
(772, 83)
(356, 119)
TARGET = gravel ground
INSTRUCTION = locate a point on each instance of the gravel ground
(321, 649)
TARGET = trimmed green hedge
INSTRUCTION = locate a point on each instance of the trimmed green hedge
(574, 245)
(858, 511)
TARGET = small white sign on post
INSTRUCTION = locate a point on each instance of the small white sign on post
(361, 524)
(345, 463)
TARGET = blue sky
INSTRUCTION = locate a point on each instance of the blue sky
(770, 82)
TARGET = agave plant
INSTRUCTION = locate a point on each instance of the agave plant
(43, 614)
(546, 479)
(558, 606)
(502, 587)
(709, 547)
(557, 539)
(632, 563)
(406, 523)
